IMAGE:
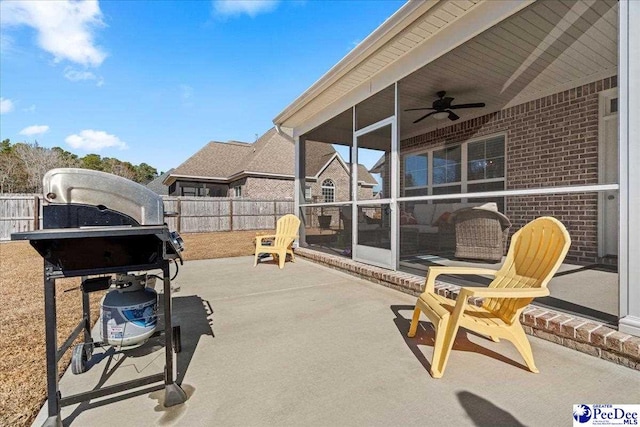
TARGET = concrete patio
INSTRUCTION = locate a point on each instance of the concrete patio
(314, 346)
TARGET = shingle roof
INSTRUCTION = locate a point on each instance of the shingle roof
(365, 176)
(215, 160)
(157, 185)
(272, 153)
(317, 156)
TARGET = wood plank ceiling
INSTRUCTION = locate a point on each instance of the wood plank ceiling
(546, 48)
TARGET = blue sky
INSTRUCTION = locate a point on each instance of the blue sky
(153, 82)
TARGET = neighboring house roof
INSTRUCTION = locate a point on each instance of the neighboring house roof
(157, 185)
(317, 157)
(377, 168)
(214, 161)
(365, 177)
(271, 155)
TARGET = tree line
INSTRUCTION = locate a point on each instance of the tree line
(23, 165)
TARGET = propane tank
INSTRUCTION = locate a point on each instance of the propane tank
(128, 313)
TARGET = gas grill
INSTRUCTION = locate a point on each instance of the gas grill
(96, 225)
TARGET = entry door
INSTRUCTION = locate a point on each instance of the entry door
(608, 201)
(374, 212)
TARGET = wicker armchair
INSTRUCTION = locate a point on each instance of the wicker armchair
(481, 233)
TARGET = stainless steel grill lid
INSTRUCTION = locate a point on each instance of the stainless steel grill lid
(90, 187)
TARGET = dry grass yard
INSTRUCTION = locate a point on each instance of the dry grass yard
(22, 346)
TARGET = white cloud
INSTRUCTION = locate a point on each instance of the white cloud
(65, 28)
(95, 140)
(239, 7)
(6, 43)
(74, 75)
(30, 109)
(34, 130)
(6, 106)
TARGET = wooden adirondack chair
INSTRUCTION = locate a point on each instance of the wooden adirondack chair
(536, 252)
(280, 243)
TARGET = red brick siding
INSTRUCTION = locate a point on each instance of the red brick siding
(552, 141)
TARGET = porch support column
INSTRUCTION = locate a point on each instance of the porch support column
(629, 97)
(300, 185)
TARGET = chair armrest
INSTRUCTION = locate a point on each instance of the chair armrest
(503, 292)
(436, 271)
(259, 238)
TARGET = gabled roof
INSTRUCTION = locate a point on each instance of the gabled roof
(317, 156)
(215, 161)
(157, 185)
(272, 154)
(365, 177)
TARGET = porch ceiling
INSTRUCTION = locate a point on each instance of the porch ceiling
(543, 49)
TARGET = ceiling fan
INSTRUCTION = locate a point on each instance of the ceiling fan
(442, 108)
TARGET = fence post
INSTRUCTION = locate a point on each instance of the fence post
(275, 214)
(36, 212)
(179, 216)
(231, 214)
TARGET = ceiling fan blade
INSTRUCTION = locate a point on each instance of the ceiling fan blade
(424, 117)
(453, 116)
(418, 109)
(475, 105)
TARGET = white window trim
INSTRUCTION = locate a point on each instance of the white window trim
(331, 187)
(463, 183)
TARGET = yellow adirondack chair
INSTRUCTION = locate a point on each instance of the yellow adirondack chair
(536, 252)
(286, 232)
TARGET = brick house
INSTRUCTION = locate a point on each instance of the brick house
(543, 127)
(264, 170)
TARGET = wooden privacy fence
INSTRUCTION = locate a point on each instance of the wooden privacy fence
(23, 212)
(19, 212)
(205, 214)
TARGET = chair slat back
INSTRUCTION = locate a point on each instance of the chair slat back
(535, 254)
(286, 230)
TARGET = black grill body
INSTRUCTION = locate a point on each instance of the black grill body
(84, 239)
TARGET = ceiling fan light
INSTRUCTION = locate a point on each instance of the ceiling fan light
(441, 115)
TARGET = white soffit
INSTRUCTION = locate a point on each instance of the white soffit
(440, 22)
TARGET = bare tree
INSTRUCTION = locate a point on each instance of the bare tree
(10, 173)
(36, 161)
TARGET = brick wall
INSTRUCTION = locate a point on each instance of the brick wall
(552, 141)
(267, 188)
(340, 178)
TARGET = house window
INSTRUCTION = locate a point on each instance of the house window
(447, 170)
(188, 191)
(466, 168)
(416, 170)
(328, 191)
(237, 191)
(307, 193)
(485, 159)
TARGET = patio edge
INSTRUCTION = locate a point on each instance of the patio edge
(571, 331)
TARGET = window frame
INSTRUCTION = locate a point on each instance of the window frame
(307, 193)
(328, 184)
(464, 182)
